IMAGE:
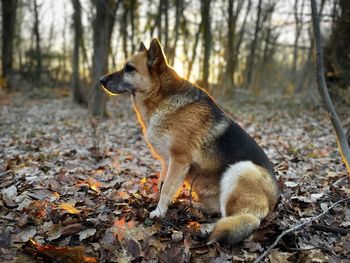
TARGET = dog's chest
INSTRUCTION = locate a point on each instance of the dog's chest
(158, 136)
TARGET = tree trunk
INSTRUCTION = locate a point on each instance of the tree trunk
(78, 95)
(306, 72)
(102, 26)
(124, 29)
(166, 25)
(178, 16)
(205, 11)
(158, 21)
(251, 59)
(133, 6)
(37, 41)
(322, 87)
(9, 8)
(228, 81)
(240, 37)
(228, 78)
(190, 64)
(338, 50)
(298, 16)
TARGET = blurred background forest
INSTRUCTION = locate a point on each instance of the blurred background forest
(262, 47)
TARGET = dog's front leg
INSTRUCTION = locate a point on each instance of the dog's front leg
(162, 174)
(175, 177)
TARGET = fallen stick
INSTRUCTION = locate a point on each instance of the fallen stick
(296, 228)
(5, 173)
(331, 229)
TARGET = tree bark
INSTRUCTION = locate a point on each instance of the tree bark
(102, 26)
(124, 29)
(298, 16)
(228, 78)
(9, 8)
(190, 64)
(166, 25)
(305, 75)
(228, 81)
(37, 41)
(240, 37)
(158, 21)
(178, 16)
(205, 11)
(338, 50)
(133, 16)
(78, 95)
(251, 59)
(322, 88)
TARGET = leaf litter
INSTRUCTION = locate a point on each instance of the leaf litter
(78, 189)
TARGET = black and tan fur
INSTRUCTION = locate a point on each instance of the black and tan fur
(196, 141)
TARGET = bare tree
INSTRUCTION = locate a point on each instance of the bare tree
(133, 21)
(205, 12)
(240, 38)
(78, 96)
(322, 88)
(178, 16)
(251, 58)
(194, 49)
(9, 8)
(298, 16)
(338, 49)
(102, 26)
(306, 74)
(124, 28)
(228, 81)
(38, 56)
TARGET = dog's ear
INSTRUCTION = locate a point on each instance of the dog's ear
(142, 47)
(156, 58)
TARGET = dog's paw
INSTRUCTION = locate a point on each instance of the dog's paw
(158, 212)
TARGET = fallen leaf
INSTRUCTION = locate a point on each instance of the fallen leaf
(277, 256)
(86, 233)
(62, 254)
(69, 208)
(133, 247)
(26, 234)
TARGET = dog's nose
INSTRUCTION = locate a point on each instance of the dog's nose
(103, 81)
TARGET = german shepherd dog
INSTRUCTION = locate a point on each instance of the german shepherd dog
(196, 141)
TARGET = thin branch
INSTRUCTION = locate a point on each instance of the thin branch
(296, 228)
(322, 88)
(5, 173)
(335, 230)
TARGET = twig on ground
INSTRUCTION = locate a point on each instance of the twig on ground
(296, 228)
(4, 173)
(322, 88)
(335, 230)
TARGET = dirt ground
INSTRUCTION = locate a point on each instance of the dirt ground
(77, 189)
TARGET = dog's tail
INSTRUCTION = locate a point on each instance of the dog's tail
(248, 193)
(233, 229)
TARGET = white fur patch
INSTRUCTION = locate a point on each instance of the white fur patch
(229, 181)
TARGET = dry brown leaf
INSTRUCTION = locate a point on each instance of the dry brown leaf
(277, 256)
(69, 208)
(62, 254)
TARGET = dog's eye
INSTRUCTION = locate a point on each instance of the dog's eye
(129, 68)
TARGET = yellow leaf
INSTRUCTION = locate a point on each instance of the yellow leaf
(69, 208)
(143, 180)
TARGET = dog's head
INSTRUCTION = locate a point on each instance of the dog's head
(139, 72)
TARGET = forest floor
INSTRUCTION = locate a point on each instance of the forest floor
(75, 189)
